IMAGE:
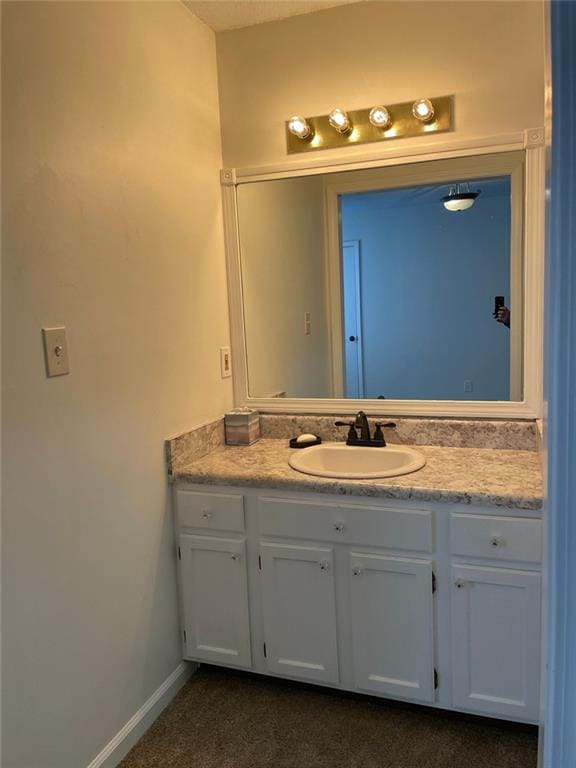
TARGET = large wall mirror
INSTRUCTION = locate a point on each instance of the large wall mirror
(398, 284)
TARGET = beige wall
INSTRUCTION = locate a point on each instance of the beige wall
(488, 54)
(283, 277)
(112, 227)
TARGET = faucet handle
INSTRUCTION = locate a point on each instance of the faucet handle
(378, 434)
(352, 434)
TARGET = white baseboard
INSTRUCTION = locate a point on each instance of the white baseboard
(118, 747)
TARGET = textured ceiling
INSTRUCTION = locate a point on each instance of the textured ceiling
(228, 14)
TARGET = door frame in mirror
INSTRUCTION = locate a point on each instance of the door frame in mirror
(531, 142)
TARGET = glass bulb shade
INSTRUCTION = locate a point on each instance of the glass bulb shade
(299, 127)
(339, 120)
(380, 117)
(423, 110)
(460, 201)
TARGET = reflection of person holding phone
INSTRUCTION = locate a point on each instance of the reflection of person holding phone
(501, 312)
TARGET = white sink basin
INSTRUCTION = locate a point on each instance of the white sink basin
(356, 462)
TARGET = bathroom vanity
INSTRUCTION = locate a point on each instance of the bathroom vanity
(424, 588)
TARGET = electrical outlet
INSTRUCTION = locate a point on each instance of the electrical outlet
(468, 385)
(307, 324)
(225, 362)
(55, 351)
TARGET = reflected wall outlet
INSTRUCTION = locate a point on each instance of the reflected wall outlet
(468, 385)
(55, 351)
(225, 362)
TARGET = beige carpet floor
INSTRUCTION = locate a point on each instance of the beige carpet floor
(224, 719)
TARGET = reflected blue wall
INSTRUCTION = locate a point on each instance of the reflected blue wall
(428, 279)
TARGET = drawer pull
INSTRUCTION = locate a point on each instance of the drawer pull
(324, 565)
(235, 557)
(357, 571)
(497, 541)
(339, 527)
(460, 583)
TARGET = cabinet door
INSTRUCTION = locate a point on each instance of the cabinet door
(299, 611)
(496, 641)
(392, 625)
(215, 599)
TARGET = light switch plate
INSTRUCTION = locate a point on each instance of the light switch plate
(55, 351)
(225, 362)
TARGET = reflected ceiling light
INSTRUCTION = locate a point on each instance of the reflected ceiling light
(299, 127)
(456, 200)
(423, 110)
(380, 117)
(339, 120)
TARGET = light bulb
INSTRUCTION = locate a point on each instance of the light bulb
(380, 117)
(299, 127)
(339, 120)
(423, 110)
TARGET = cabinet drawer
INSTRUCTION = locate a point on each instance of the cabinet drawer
(346, 523)
(215, 511)
(497, 538)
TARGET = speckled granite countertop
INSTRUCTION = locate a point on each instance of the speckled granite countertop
(486, 477)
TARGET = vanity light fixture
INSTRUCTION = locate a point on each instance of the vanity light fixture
(380, 117)
(379, 122)
(340, 121)
(299, 127)
(456, 200)
(423, 110)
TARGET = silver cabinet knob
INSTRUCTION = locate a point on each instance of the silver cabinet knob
(357, 571)
(324, 565)
(206, 514)
(497, 541)
(235, 557)
(460, 583)
(339, 527)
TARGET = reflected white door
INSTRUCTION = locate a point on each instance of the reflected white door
(351, 299)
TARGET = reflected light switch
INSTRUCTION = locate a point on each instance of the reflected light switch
(55, 351)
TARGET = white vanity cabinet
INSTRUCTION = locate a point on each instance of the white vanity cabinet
(496, 614)
(299, 610)
(213, 578)
(430, 603)
(392, 625)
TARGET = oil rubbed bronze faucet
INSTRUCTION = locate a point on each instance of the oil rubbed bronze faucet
(361, 423)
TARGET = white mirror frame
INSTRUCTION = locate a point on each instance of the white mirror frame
(444, 147)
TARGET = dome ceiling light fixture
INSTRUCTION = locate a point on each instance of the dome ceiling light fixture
(457, 200)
